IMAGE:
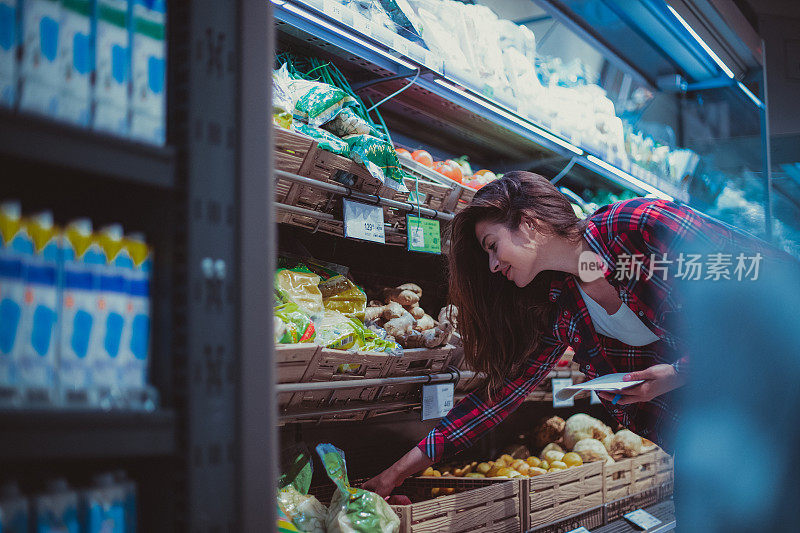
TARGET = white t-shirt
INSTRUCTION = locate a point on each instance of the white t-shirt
(623, 325)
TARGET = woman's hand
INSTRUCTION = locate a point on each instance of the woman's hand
(658, 379)
(385, 482)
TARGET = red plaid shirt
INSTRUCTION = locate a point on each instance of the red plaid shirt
(649, 232)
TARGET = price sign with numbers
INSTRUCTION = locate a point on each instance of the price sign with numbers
(363, 221)
(423, 235)
(642, 518)
(437, 400)
(558, 384)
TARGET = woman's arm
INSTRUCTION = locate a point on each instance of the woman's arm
(469, 420)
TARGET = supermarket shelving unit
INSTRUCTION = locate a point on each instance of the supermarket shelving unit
(203, 460)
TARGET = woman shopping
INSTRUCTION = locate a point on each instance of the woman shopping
(529, 279)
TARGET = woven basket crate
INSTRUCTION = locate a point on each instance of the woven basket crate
(459, 195)
(328, 367)
(558, 495)
(293, 361)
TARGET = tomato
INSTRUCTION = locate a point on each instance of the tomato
(403, 152)
(422, 157)
(449, 168)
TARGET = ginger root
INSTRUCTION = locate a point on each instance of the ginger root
(399, 327)
(417, 312)
(425, 323)
(413, 287)
(405, 298)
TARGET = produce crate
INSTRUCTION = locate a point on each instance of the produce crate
(293, 362)
(459, 196)
(630, 476)
(432, 195)
(328, 366)
(618, 508)
(665, 467)
(558, 495)
(589, 519)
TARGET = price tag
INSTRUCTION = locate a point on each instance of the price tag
(437, 400)
(641, 518)
(594, 398)
(558, 384)
(423, 235)
(363, 221)
(579, 530)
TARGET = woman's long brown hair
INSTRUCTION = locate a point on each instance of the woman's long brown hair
(501, 325)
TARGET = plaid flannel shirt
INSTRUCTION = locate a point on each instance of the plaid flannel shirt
(651, 232)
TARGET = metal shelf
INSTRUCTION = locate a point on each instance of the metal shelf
(445, 110)
(60, 434)
(664, 511)
(45, 141)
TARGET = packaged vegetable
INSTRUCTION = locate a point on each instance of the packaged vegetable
(296, 326)
(347, 122)
(305, 511)
(336, 331)
(299, 285)
(317, 103)
(353, 509)
(380, 159)
(282, 103)
(325, 139)
(341, 294)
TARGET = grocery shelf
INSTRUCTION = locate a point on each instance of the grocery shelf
(45, 141)
(439, 109)
(61, 434)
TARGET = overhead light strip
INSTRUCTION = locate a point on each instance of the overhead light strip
(728, 72)
(346, 34)
(629, 178)
(750, 94)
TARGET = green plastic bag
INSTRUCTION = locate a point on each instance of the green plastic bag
(352, 509)
(306, 512)
(325, 139)
(380, 159)
(318, 103)
(297, 326)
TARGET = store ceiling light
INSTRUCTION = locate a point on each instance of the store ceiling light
(750, 94)
(508, 115)
(346, 34)
(728, 72)
(629, 178)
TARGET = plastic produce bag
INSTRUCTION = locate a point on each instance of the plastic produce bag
(316, 102)
(305, 511)
(325, 139)
(341, 294)
(282, 103)
(295, 325)
(337, 332)
(347, 122)
(299, 285)
(380, 159)
(352, 509)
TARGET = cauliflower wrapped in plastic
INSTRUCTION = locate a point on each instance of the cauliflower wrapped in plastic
(306, 512)
(581, 426)
(592, 450)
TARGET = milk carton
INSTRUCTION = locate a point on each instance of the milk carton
(36, 364)
(148, 102)
(111, 310)
(135, 349)
(103, 506)
(81, 258)
(39, 69)
(56, 511)
(9, 46)
(76, 61)
(14, 513)
(112, 83)
(13, 245)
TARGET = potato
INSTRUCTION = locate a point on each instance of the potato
(533, 461)
(553, 455)
(572, 459)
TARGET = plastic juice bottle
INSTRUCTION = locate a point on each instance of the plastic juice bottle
(12, 291)
(77, 313)
(37, 361)
(57, 509)
(76, 61)
(112, 304)
(148, 51)
(112, 82)
(14, 513)
(136, 338)
(103, 506)
(39, 73)
(9, 46)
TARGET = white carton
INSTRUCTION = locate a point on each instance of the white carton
(148, 103)
(12, 293)
(9, 46)
(39, 73)
(112, 82)
(76, 61)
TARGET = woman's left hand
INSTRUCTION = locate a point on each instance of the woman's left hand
(658, 379)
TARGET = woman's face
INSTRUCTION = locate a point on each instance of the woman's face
(519, 254)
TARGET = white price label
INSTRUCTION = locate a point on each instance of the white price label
(363, 221)
(641, 518)
(437, 400)
(594, 398)
(417, 236)
(579, 530)
(558, 384)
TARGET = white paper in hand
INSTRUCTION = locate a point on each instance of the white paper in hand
(609, 383)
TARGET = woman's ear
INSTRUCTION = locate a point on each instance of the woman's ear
(529, 222)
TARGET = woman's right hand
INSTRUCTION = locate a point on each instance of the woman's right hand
(385, 482)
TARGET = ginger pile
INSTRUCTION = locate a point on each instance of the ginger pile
(405, 321)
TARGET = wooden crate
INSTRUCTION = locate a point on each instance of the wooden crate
(293, 361)
(328, 367)
(630, 476)
(639, 500)
(590, 519)
(558, 495)
(665, 468)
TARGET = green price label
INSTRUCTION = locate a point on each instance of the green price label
(423, 235)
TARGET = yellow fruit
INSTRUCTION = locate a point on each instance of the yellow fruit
(523, 469)
(572, 459)
(483, 468)
(475, 475)
(553, 455)
(544, 464)
(493, 471)
(428, 471)
(517, 463)
(515, 475)
(448, 490)
(558, 464)
(536, 471)
(436, 473)
(533, 461)
(555, 470)
(503, 472)
(501, 462)
(508, 459)
(473, 464)
(435, 491)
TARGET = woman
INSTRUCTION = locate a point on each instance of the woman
(604, 286)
